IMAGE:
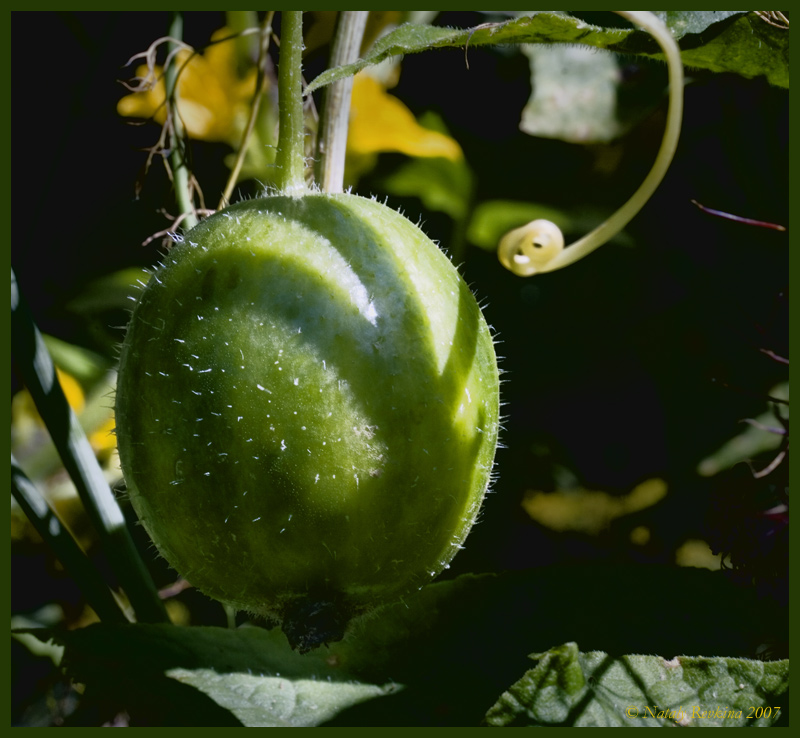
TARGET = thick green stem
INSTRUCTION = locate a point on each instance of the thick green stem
(291, 138)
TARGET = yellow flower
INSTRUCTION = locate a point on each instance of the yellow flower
(25, 417)
(72, 391)
(23, 408)
(103, 440)
(213, 100)
(380, 122)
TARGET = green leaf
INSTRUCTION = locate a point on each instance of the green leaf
(110, 292)
(573, 94)
(250, 673)
(440, 656)
(749, 47)
(685, 22)
(441, 184)
(412, 39)
(755, 439)
(569, 688)
(737, 41)
(260, 701)
(83, 364)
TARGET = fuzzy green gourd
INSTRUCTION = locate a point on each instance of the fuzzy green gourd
(307, 409)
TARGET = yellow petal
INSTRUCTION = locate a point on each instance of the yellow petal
(103, 439)
(213, 100)
(72, 391)
(145, 104)
(25, 419)
(380, 122)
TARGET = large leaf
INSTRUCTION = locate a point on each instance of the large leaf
(732, 41)
(212, 675)
(260, 701)
(569, 688)
(573, 94)
(442, 656)
(749, 47)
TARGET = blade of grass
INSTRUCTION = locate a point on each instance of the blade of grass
(67, 551)
(39, 375)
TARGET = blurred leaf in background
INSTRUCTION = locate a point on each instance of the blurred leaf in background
(574, 94)
(761, 434)
(381, 123)
(590, 511)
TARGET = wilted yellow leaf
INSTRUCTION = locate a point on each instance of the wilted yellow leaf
(587, 511)
(696, 553)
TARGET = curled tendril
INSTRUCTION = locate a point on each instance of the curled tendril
(532, 246)
(539, 246)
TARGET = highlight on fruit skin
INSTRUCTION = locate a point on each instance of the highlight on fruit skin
(307, 410)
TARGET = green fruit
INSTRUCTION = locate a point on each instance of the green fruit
(307, 409)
